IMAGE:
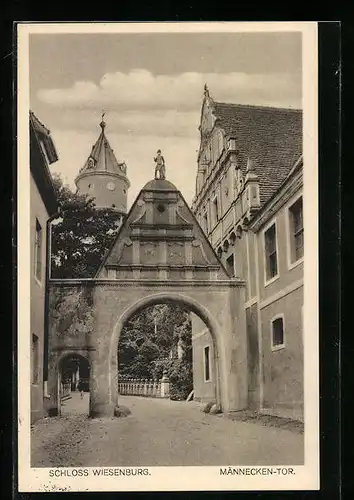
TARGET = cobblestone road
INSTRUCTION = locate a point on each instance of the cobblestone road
(158, 432)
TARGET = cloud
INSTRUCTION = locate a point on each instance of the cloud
(146, 112)
(141, 90)
(164, 123)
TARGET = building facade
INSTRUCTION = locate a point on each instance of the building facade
(249, 203)
(103, 178)
(43, 205)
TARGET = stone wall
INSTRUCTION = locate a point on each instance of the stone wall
(219, 305)
(283, 368)
(40, 214)
(71, 325)
(204, 390)
(253, 356)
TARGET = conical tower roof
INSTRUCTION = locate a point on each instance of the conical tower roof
(102, 158)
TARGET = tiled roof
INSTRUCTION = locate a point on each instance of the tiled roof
(271, 137)
(104, 159)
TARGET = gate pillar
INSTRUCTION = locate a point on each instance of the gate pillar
(101, 402)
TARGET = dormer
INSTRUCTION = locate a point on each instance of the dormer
(251, 186)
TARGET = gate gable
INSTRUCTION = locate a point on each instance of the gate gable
(161, 238)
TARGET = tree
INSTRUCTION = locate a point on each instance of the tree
(144, 350)
(81, 235)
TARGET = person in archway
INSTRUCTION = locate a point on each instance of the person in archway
(81, 389)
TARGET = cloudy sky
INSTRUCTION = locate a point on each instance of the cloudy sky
(151, 88)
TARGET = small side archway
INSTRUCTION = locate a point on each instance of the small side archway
(160, 298)
(73, 376)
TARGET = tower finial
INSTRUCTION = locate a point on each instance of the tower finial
(103, 123)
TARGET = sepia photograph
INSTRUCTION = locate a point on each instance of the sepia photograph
(168, 330)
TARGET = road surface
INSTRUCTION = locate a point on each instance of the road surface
(158, 432)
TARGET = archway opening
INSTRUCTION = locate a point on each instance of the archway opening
(166, 350)
(74, 385)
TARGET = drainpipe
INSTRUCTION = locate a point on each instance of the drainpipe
(46, 300)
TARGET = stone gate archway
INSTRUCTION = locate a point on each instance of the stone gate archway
(165, 298)
(160, 254)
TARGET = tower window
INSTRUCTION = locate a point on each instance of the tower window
(161, 208)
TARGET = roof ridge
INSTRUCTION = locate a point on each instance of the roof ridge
(255, 106)
(35, 117)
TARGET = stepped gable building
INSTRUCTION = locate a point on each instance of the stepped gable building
(104, 178)
(43, 205)
(249, 203)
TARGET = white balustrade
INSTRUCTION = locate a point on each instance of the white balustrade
(152, 388)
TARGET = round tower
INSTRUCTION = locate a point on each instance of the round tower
(103, 177)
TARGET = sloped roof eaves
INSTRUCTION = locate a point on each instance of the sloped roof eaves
(41, 174)
(44, 133)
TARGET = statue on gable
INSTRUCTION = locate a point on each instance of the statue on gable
(160, 169)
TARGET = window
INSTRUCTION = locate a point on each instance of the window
(205, 222)
(215, 210)
(296, 231)
(277, 333)
(38, 251)
(35, 359)
(270, 238)
(206, 363)
(230, 265)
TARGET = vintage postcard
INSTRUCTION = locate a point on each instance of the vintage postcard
(167, 257)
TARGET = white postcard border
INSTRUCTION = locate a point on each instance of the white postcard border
(304, 477)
